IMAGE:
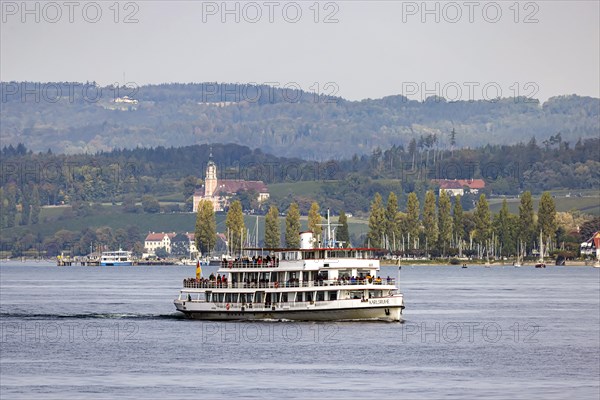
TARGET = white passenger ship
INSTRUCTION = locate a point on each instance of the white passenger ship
(116, 258)
(309, 284)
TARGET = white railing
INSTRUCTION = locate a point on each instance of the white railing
(207, 284)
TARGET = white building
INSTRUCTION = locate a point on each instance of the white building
(156, 240)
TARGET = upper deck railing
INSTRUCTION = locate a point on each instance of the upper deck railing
(208, 284)
(260, 263)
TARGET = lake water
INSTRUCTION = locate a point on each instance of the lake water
(104, 333)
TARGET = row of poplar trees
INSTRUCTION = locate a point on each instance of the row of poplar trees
(206, 227)
(443, 226)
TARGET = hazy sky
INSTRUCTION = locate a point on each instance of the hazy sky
(366, 49)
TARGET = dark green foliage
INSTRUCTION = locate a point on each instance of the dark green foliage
(342, 233)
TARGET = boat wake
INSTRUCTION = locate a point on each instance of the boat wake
(103, 316)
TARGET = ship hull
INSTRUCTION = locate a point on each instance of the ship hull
(388, 312)
(116, 263)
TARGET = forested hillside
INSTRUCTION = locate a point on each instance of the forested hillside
(349, 184)
(83, 118)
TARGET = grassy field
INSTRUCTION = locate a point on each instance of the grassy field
(589, 204)
(115, 218)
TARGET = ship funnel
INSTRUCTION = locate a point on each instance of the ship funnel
(306, 240)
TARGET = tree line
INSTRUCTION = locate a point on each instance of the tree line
(237, 239)
(441, 228)
(129, 175)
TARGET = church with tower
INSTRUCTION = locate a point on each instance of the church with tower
(219, 191)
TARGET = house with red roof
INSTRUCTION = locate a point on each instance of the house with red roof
(459, 186)
(156, 240)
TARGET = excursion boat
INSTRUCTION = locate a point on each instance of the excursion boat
(328, 283)
(116, 258)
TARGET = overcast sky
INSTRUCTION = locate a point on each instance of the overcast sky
(364, 49)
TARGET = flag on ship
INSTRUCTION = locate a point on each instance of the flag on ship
(198, 270)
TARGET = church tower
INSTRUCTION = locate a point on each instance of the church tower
(210, 183)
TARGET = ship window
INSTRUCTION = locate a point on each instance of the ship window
(284, 297)
(228, 298)
(308, 296)
(320, 296)
(356, 294)
(333, 295)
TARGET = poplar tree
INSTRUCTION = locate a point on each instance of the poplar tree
(25, 207)
(547, 216)
(205, 234)
(342, 233)
(527, 227)
(457, 221)
(392, 219)
(504, 230)
(376, 222)
(272, 231)
(35, 205)
(482, 221)
(314, 220)
(444, 221)
(292, 227)
(430, 225)
(412, 219)
(235, 224)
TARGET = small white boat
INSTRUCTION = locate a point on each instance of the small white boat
(116, 258)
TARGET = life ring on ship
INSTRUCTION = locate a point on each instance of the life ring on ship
(227, 306)
(276, 285)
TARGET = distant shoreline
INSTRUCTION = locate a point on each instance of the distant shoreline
(471, 263)
(384, 263)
